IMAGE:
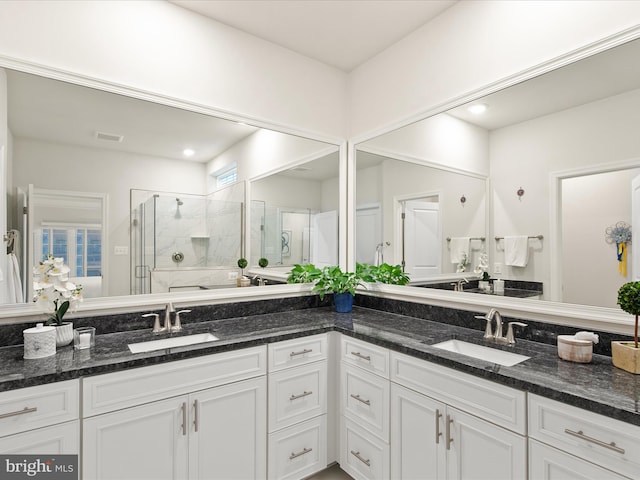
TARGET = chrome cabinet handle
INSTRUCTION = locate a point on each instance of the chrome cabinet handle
(301, 352)
(302, 395)
(447, 427)
(438, 432)
(357, 397)
(18, 412)
(184, 418)
(363, 357)
(359, 457)
(580, 434)
(196, 411)
(299, 454)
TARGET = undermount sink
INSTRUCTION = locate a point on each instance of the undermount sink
(171, 342)
(507, 359)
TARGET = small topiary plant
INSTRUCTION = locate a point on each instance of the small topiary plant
(242, 263)
(629, 301)
(263, 262)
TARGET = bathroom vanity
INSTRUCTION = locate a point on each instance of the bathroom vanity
(281, 395)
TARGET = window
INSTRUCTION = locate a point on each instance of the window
(227, 177)
(80, 247)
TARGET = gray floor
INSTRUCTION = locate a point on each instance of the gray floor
(332, 473)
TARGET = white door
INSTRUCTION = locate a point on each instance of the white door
(481, 450)
(422, 238)
(368, 234)
(145, 442)
(228, 432)
(417, 438)
(635, 225)
(325, 239)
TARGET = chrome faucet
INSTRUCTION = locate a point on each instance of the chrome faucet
(497, 335)
(167, 317)
(459, 285)
(261, 281)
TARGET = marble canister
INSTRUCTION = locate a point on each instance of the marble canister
(39, 342)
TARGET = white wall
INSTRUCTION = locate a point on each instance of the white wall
(440, 140)
(471, 45)
(159, 47)
(64, 167)
(524, 155)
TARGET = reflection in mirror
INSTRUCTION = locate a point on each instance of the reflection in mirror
(410, 214)
(294, 215)
(80, 140)
(561, 127)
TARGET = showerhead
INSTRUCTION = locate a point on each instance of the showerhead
(178, 201)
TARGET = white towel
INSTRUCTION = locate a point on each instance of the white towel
(459, 249)
(516, 251)
(15, 284)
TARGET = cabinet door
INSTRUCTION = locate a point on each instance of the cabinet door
(145, 442)
(229, 432)
(417, 440)
(57, 439)
(548, 463)
(481, 450)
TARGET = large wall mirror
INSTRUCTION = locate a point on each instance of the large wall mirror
(559, 152)
(137, 196)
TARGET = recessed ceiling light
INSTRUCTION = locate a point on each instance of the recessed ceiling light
(478, 108)
(187, 152)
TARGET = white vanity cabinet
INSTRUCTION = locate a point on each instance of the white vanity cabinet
(450, 425)
(297, 407)
(566, 438)
(202, 418)
(40, 419)
(364, 408)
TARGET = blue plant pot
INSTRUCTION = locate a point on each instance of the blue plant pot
(343, 302)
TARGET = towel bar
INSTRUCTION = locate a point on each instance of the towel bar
(539, 237)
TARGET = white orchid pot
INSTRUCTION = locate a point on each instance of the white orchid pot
(64, 334)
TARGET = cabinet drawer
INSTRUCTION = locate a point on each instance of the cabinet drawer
(298, 351)
(488, 400)
(297, 394)
(365, 400)
(114, 391)
(607, 442)
(369, 357)
(34, 407)
(298, 451)
(548, 463)
(56, 439)
(361, 455)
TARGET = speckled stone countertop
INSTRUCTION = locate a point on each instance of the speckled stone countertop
(598, 386)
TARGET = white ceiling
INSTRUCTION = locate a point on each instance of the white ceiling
(340, 33)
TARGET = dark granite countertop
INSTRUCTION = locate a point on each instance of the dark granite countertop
(597, 386)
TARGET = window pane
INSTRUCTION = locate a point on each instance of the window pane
(59, 247)
(80, 253)
(94, 253)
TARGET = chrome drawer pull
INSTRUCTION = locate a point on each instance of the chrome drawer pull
(303, 394)
(438, 432)
(301, 352)
(299, 454)
(19, 412)
(359, 457)
(447, 427)
(196, 415)
(363, 357)
(184, 418)
(580, 434)
(357, 397)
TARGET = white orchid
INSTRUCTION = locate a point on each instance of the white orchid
(53, 292)
(483, 266)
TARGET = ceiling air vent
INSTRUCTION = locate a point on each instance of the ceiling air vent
(109, 137)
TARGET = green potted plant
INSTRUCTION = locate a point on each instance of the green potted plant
(242, 281)
(329, 280)
(626, 355)
(263, 262)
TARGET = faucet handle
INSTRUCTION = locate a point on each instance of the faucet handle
(487, 331)
(511, 339)
(177, 326)
(156, 322)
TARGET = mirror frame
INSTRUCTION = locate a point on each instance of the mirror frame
(25, 312)
(583, 316)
